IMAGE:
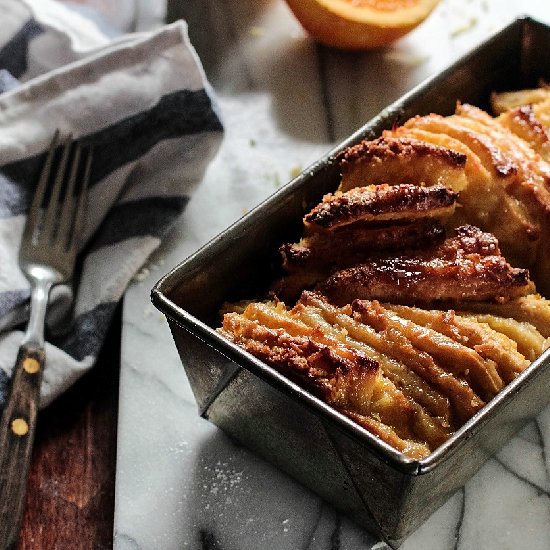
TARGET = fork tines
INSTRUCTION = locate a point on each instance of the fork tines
(59, 202)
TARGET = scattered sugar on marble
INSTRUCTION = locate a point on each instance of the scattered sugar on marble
(224, 479)
(141, 275)
(285, 523)
(146, 270)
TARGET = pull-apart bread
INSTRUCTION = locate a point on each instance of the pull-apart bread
(408, 302)
(507, 173)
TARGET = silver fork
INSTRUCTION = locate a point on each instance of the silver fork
(47, 257)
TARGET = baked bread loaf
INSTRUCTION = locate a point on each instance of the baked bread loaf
(500, 166)
(408, 304)
(410, 376)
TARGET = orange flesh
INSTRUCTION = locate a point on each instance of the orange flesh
(383, 5)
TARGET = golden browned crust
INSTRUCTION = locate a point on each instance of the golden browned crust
(542, 112)
(486, 202)
(508, 180)
(409, 376)
(412, 375)
(495, 348)
(454, 357)
(352, 244)
(341, 374)
(339, 323)
(468, 239)
(492, 158)
(532, 309)
(383, 202)
(523, 122)
(464, 268)
(402, 149)
(530, 343)
(411, 281)
(529, 166)
(504, 101)
(401, 160)
(348, 228)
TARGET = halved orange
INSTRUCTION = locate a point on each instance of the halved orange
(360, 24)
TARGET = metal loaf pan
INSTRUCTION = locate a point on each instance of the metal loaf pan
(383, 490)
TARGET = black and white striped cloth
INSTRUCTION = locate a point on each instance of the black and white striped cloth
(143, 101)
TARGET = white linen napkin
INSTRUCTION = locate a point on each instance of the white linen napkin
(143, 101)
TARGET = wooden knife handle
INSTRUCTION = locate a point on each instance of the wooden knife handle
(17, 427)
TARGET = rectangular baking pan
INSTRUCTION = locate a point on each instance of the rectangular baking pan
(382, 489)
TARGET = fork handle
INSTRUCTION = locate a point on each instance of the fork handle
(17, 427)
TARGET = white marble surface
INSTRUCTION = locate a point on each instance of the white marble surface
(181, 483)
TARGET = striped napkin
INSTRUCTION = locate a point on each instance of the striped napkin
(143, 101)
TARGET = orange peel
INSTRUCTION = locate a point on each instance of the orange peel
(360, 24)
